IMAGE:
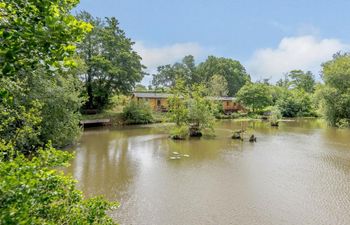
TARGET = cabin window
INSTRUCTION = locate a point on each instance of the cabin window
(227, 103)
(158, 102)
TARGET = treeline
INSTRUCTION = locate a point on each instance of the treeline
(297, 94)
(213, 73)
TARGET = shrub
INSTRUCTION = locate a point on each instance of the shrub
(179, 132)
(33, 192)
(137, 112)
(275, 115)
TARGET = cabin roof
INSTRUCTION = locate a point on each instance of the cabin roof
(151, 95)
(167, 95)
(223, 98)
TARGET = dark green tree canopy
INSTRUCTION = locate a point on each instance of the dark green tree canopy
(255, 96)
(38, 56)
(335, 94)
(302, 80)
(232, 70)
(113, 66)
(167, 75)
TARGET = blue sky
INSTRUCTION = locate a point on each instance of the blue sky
(269, 37)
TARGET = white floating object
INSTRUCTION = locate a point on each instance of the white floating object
(178, 157)
(172, 157)
(186, 155)
(175, 153)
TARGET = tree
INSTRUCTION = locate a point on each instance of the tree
(190, 110)
(113, 67)
(140, 87)
(283, 82)
(33, 191)
(232, 70)
(294, 103)
(218, 86)
(302, 80)
(178, 110)
(335, 94)
(200, 113)
(256, 96)
(167, 75)
(38, 43)
(38, 34)
(137, 112)
(37, 64)
(20, 119)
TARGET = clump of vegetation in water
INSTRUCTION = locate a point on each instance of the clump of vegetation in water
(179, 132)
(190, 109)
(275, 115)
(200, 113)
(137, 112)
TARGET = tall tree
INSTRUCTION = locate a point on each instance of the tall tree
(37, 53)
(185, 70)
(113, 66)
(256, 96)
(335, 94)
(302, 80)
(37, 45)
(232, 70)
(218, 86)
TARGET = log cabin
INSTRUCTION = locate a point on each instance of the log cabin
(159, 101)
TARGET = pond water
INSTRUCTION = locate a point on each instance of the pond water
(298, 173)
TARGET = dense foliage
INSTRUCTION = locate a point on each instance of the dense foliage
(39, 102)
(113, 67)
(33, 192)
(232, 70)
(256, 96)
(189, 108)
(37, 54)
(294, 103)
(207, 73)
(334, 96)
(137, 112)
(218, 86)
(167, 75)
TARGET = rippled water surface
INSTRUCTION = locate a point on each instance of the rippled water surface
(298, 173)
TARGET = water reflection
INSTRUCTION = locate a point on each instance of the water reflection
(297, 173)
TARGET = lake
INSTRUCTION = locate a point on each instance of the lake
(298, 173)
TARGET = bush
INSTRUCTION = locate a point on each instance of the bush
(295, 103)
(179, 132)
(33, 192)
(343, 123)
(137, 112)
(275, 115)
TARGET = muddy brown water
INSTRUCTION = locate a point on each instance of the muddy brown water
(298, 173)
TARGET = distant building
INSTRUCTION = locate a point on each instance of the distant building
(229, 104)
(159, 101)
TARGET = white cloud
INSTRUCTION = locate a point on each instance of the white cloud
(152, 57)
(302, 52)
